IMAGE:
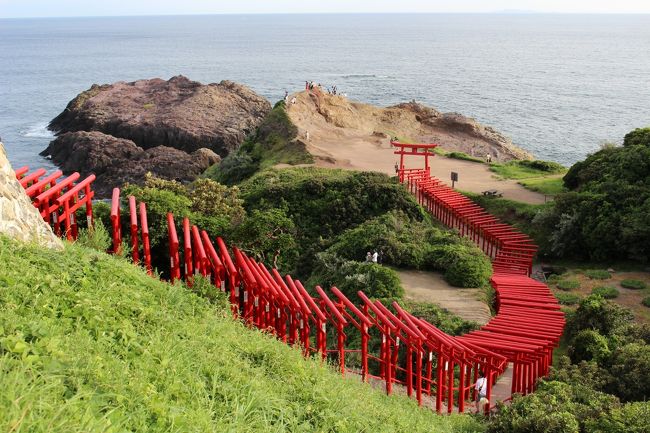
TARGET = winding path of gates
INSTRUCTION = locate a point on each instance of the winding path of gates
(377, 342)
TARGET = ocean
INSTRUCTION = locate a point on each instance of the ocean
(558, 85)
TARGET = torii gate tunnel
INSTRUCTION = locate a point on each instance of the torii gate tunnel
(371, 340)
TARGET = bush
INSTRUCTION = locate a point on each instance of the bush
(589, 345)
(604, 215)
(637, 137)
(567, 298)
(597, 274)
(467, 268)
(629, 365)
(95, 237)
(598, 314)
(350, 276)
(567, 285)
(629, 418)
(418, 245)
(606, 292)
(633, 284)
(555, 407)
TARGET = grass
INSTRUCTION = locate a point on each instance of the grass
(598, 274)
(567, 285)
(633, 284)
(544, 185)
(91, 343)
(543, 177)
(526, 169)
(606, 292)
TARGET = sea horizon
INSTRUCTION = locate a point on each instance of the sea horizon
(559, 84)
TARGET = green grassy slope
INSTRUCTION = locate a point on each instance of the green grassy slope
(90, 343)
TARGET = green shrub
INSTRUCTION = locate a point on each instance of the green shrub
(95, 237)
(567, 285)
(606, 292)
(629, 418)
(350, 276)
(633, 284)
(589, 345)
(637, 137)
(604, 215)
(629, 365)
(555, 407)
(567, 298)
(597, 274)
(646, 301)
(468, 269)
(598, 314)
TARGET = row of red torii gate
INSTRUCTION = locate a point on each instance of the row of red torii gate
(381, 344)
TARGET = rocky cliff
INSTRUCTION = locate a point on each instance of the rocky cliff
(19, 219)
(178, 113)
(174, 128)
(116, 161)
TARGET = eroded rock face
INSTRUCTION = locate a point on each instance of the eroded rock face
(174, 129)
(178, 113)
(19, 219)
(116, 161)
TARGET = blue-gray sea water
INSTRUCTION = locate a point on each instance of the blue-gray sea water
(558, 85)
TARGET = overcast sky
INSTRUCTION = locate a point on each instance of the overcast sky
(66, 8)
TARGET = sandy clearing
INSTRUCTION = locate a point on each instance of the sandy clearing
(431, 287)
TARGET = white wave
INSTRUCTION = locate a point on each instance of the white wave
(38, 131)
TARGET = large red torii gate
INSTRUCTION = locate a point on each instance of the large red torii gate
(414, 149)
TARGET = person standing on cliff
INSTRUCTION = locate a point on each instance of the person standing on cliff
(293, 101)
(286, 97)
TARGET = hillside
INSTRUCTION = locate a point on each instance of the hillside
(89, 342)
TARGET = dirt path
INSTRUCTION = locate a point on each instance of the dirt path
(431, 287)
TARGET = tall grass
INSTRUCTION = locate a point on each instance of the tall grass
(90, 343)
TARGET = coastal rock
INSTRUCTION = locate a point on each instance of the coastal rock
(334, 119)
(178, 113)
(19, 219)
(116, 161)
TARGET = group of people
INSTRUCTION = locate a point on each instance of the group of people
(375, 257)
(309, 85)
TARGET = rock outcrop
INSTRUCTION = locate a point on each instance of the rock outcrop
(174, 129)
(116, 161)
(19, 219)
(178, 113)
(334, 118)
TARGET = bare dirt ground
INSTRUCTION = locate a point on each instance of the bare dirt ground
(353, 136)
(431, 287)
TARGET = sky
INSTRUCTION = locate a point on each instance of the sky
(68, 8)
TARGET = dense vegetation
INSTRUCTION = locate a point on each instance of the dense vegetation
(274, 142)
(604, 385)
(605, 214)
(91, 343)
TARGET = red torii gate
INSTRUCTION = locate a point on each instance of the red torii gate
(415, 149)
